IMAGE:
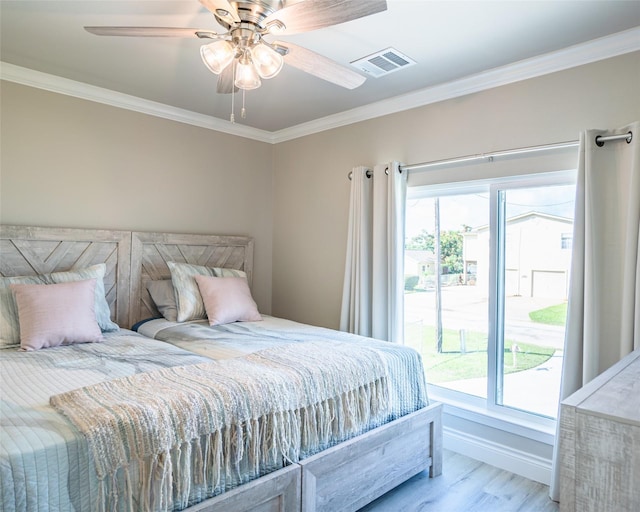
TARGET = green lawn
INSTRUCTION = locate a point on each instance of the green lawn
(451, 364)
(553, 315)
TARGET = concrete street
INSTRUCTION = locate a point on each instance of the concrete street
(465, 307)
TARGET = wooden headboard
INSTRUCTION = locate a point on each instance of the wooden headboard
(151, 251)
(132, 258)
(26, 251)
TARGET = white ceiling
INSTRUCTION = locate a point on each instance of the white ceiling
(450, 40)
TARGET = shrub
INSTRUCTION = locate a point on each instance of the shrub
(410, 282)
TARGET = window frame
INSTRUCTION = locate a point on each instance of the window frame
(474, 408)
(497, 267)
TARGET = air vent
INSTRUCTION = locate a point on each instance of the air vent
(383, 62)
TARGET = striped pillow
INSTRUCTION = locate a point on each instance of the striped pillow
(188, 299)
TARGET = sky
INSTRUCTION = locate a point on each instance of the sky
(473, 209)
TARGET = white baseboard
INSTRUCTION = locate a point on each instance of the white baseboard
(504, 457)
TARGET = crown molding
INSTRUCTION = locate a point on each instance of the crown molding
(573, 56)
(592, 51)
(52, 83)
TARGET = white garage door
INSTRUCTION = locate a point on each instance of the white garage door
(549, 284)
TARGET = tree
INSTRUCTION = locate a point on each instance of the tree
(421, 242)
(450, 248)
(451, 251)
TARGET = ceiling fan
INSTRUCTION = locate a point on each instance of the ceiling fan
(242, 55)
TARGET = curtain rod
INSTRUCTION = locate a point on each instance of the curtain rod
(600, 140)
(489, 156)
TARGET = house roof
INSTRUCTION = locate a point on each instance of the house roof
(526, 216)
(419, 256)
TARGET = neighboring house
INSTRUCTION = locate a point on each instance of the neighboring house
(419, 263)
(537, 255)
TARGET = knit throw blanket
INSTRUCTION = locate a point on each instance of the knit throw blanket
(160, 438)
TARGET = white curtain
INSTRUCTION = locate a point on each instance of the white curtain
(373, 289)
(603, 319)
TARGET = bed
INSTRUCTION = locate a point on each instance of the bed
(36, 438)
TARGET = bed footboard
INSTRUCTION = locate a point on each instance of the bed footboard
(349, 475)
(276, 492)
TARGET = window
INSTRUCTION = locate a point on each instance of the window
(489, 320)
(566, 241)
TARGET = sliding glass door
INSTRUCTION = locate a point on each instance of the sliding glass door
(531, 258)
(486, 279)
(446, 308)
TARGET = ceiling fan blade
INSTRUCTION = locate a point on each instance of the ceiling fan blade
(222, 9)
(320, 66)
(225, 81)
(309, 15)
(152, 32)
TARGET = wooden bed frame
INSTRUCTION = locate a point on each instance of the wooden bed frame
(343, 478)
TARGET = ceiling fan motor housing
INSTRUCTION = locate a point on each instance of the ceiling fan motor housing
(251, 12)
(244, 35)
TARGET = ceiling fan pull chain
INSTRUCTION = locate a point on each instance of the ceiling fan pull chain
(243, 111)
(232, 118)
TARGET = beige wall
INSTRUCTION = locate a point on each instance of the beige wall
(70, 162)
(311, 189)
(74, 163)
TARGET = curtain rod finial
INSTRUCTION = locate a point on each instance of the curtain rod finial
(600, 140)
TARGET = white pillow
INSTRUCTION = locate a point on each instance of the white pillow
(56, 314)
(227, 299)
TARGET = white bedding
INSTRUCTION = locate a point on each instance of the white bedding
(44, 463)
(408, 391)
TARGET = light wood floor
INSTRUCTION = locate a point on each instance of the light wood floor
(466, 485)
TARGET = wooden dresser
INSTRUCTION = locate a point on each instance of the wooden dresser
(600, 442)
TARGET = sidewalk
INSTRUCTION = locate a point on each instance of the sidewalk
(536, 390)
(463, 307)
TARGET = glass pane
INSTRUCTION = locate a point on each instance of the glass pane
(446, 319)
(537, 256)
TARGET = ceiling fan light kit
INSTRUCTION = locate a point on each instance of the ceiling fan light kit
(241, 57)
(246, 76)
(254, 57)
(267, 60)
(217, 55)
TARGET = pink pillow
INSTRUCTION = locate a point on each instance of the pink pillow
(56, 314)
(227, 299)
